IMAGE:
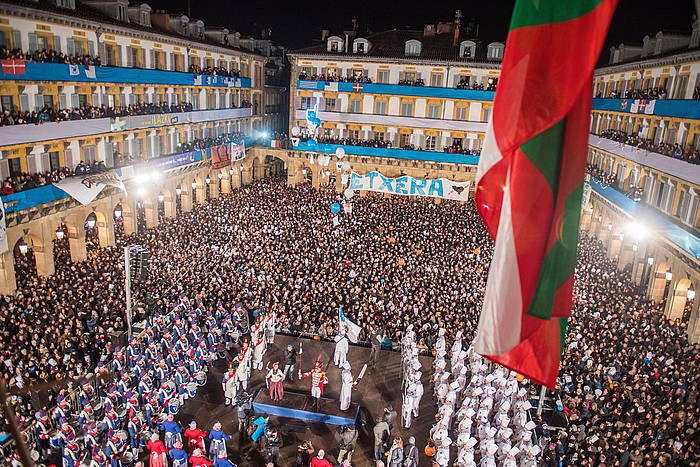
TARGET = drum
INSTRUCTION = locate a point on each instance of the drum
(170, 386)
(200, 378)
(97, 405)
(123, 435)
(191, 389)
(174, 405)
(34, 454)
(127, 458)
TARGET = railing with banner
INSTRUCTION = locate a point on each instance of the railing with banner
(396, 90)
(22, 70)
(662, 107)
(395, 153)
(20, 134)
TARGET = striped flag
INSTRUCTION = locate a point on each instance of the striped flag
(530, 180)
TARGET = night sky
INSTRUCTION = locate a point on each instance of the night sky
(295, 23)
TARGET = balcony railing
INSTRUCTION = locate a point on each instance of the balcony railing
(20, 134)
(39, 71)
(664, 107)
(427, 156)
(657, 222)
(397, 90)
(660, 162)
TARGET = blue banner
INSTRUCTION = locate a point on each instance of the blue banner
(396, 90)
(429, 156)
(662, 107)
(410, 186)
(34, 197)
(36, 71)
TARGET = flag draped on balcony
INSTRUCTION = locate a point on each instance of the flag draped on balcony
(530, 180)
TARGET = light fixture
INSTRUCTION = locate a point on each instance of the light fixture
(220, 175)
(691, 292)
(207, 180)
(178, 191)
(669, 275)
(23, 247)
(639, 231)
(610, 226)
(140, 191)
(230, 171)
(194, 185)
(634, 247)
(241, 167)
(161, 198)
(303, 171)
(650, 260)
(60, 233)
(91, 221)
(118, 211)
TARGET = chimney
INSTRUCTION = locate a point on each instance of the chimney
(429, 30)
(324, 34)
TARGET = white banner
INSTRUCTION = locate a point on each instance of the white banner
(85, 188)
(3, 229)
(411, 186)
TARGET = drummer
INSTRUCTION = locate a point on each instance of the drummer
(172, 431)
(178, 455)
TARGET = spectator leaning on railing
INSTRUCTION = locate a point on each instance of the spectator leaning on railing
(380, 143)
(48, 56)
(675, 150)
(333, 78)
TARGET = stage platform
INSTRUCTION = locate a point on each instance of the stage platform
(299, 405)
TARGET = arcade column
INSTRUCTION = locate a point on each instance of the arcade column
(186, 201)
(76, 242)
(105, 232)
(150, 209)
(8, 283)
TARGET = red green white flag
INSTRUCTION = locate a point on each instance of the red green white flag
(530, 180)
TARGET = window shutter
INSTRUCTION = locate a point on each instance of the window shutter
(91, 48)
(16, 39)
(70, 47)
(62, 101)
(32, 42)
(57, 43)
(32, 164)
(118, 59)
(129, 57)
(152, 55)
(75, 100)
(143, 58)
(4, 169)
(39, 102)
(102, 53)
(96, 99)
(24, 102)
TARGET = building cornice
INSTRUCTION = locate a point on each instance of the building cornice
(651, 62)
(108, 28)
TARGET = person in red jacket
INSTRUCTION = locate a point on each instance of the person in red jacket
(197, 459)
(158, 452)
(195, 437)
(319, 460)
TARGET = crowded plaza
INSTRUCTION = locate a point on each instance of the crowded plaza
(461, 243)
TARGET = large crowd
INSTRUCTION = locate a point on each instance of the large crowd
(633, 192)
(688, 153)
(49, 56)
(628, 384)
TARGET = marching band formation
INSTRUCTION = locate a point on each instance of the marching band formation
(110, 420)
(485, 406)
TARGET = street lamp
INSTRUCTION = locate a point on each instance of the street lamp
(161, 198)
(650, 261)
(230, 172)
(23, 247)
(178, 191)
(91, 221)
(691, 292)
(118, 212)
(303, 171)
(194, 185)
(59, 233)
(207, 180)
(220, 175)
(669, 275)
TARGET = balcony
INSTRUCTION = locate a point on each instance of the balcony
(661, 107)
(39, 71)
(21, 134)
(397, 121)
(657, 222)
(396, 90)
(677, 168)
(394, 153)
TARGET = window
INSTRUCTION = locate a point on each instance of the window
(379, 136)
(82, 100)
(413, 48)
(430, 142)
(15, 166)
(383, 76)
(335, 44)
(434, 111)
(461, 112)
(306, 70)
(305, 103)
(121, 13)
(47, 101)
(467, 49)
(54, 161)
(354, 134)
(457, 142)
(487, 114)
(405, 140)
(436, 80)
(380, 107)
(407, 109)
(495, 51)
(355, 106)
(330, 104)
(6, 103)
(409, 76)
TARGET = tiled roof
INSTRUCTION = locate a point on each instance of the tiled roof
(87, 12)
(391, 44)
